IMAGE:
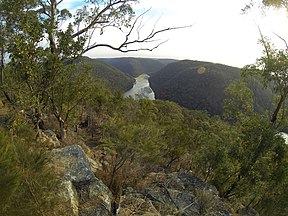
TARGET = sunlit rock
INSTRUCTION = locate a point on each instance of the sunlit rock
(82, 193)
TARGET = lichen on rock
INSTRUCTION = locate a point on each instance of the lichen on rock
(85, 194)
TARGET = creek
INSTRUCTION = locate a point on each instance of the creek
(141, 88)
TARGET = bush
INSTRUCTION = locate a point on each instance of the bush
(28, 185)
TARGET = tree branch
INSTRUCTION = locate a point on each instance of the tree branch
(59, 2)
(136, 26)
(99, 15)
(282, 40)
(124, 46)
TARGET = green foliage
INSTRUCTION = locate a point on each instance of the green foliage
(41, 79)
(117, 80)
(128, 128)
(67, 46)
(28, 185)
(9, 177)
(244, 160)
(239, 102)
(72, 90)
(271, 70)
(275, 3)
(261, 152)
(266, 4)
(264, 156)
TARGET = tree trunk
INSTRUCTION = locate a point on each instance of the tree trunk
(52, 27)
(2, 66)
(276, 111)
(61, 126)
(62, 129)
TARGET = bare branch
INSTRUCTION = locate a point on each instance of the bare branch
(133, 26)
(124, 49)
(282, 40)
(59, 2)
(154, 33)
(44, 9)
(129, 38)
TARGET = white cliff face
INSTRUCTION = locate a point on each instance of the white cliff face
(141, 89)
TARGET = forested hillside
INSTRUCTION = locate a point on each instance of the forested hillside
(200, 86)
(117, 80)
(137, 66)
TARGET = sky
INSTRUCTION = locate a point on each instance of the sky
(220, 33)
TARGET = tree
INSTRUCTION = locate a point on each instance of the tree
(85, 23)
(272, 67)
(35, 69)
(266, 169)
(246, 159)
(73, 90)
(239, 102)
(272, 70)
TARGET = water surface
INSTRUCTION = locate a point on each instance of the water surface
(141, 88)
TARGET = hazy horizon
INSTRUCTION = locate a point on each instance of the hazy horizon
(220, 33)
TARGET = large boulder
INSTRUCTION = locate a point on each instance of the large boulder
(82, 193)
(172, 194)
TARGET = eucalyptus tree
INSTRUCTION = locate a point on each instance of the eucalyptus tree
(272, 67)
(261, 153)
(272, 70)
(42, 38)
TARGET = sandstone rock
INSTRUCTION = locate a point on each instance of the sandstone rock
(156, 195)
(85, 194)
(172, 194)
(95, 165)
(49, 138)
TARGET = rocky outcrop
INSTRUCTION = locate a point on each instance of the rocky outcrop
(81, 192)
(172, 194)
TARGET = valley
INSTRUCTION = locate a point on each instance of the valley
(87, 136)
(141, 88)
(195, 85)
